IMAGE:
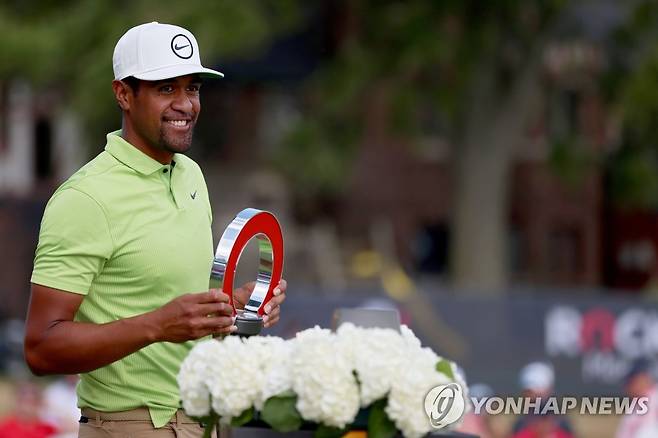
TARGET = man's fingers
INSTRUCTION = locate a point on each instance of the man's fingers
(212, 296)
(273, 313)
(224, 330)
(280, 288)
(215, 309)
(218, 323)
(274, 302)
(270, 320)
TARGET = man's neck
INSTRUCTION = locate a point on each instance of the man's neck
(159, 155)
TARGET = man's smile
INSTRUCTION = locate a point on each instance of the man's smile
(178, 123)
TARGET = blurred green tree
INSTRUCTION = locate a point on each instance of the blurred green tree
(477, 64)
(67, 45)
(631, 86)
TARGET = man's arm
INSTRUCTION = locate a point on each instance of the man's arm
(55, 344)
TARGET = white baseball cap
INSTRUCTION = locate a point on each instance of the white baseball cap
(537, 376)
(154, 51)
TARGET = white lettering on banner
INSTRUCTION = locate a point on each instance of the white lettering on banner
(603, 367)
(562, 331)
(629, 333)
(651, 332)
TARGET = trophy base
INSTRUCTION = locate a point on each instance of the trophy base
(248, 324)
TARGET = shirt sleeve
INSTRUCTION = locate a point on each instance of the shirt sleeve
(74, 242)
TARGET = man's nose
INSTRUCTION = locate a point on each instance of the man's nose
(182, 102)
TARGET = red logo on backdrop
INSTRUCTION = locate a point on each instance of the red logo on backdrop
(597, 330)
(606, 343)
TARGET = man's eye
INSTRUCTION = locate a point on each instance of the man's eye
(194, 88)
(166, 89)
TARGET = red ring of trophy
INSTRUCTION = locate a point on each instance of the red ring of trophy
(262, 225)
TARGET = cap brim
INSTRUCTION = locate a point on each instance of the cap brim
(177, 70)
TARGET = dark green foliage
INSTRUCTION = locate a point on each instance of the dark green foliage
(379, 425)
(281, 414)
(68, 45)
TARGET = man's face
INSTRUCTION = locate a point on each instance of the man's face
(163, 113)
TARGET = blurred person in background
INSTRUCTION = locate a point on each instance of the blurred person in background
(639, 382)
(542, 426)
(537, 381)
(24, 421)
(60, 406)
(478, 424)
(120, 280)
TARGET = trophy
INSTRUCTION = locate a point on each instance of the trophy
(262, 225)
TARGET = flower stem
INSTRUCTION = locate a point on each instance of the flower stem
(207, 430)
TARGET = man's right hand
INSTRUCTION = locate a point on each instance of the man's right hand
(194, 316)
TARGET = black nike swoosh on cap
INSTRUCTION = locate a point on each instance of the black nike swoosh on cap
(177, 47)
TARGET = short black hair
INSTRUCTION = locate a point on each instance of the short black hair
(133, 83)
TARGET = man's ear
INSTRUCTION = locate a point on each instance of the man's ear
(123, 94)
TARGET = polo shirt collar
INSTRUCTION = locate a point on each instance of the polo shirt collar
(129, 155)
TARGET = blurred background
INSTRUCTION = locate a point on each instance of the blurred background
(488, 168)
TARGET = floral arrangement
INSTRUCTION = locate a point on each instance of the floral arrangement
(321, 378)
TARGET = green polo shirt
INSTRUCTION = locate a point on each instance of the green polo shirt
(130, 234)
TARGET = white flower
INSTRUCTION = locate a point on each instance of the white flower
(405, 400)
(273, 355)
(412, 382)
(377, 354)
(193, 376)
(409, 336)
(232, 378)
(323, 379)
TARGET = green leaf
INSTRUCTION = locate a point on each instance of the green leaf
(281, 414)
(379, 425)
(209, 422)
(443, 366)
(207, 431)
(243, 418)
(329, 432)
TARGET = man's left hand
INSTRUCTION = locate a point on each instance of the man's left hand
(272, 308)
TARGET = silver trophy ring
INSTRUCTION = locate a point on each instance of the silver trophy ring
(262, 225)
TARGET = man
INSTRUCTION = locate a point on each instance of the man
(638, 383)
(121, 272)
(537, 380)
